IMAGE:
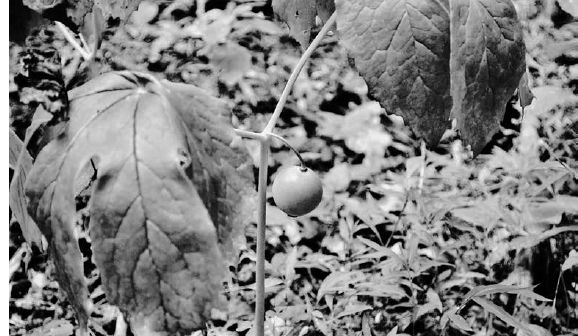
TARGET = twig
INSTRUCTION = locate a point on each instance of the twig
(295, 74)
(68, 36)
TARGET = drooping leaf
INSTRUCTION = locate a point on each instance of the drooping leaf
(402, 50)
(22, 166)
(428, 61)
(491, 307)
(172, 191)
(300, 16)
(488, 60)
(15, 146)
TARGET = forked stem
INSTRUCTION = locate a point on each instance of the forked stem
(264, 138)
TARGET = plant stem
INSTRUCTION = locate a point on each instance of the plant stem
(282, 139)
(265, 141)
(295, 74)
(261, 223)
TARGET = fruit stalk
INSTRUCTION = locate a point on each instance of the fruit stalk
(280, 138)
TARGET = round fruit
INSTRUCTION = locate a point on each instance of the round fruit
(297, 190)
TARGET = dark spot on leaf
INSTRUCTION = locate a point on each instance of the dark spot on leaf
(184, 158)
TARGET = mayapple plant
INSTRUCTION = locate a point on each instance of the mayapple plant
(174, 185)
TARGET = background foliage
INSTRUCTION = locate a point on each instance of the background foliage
(396, 245)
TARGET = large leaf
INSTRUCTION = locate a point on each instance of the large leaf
(402, 49)
(431, 60)
(172, 189)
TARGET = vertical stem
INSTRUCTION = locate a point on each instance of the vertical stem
(261, 223)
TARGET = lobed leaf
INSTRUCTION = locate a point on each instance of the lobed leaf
(173, 187)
